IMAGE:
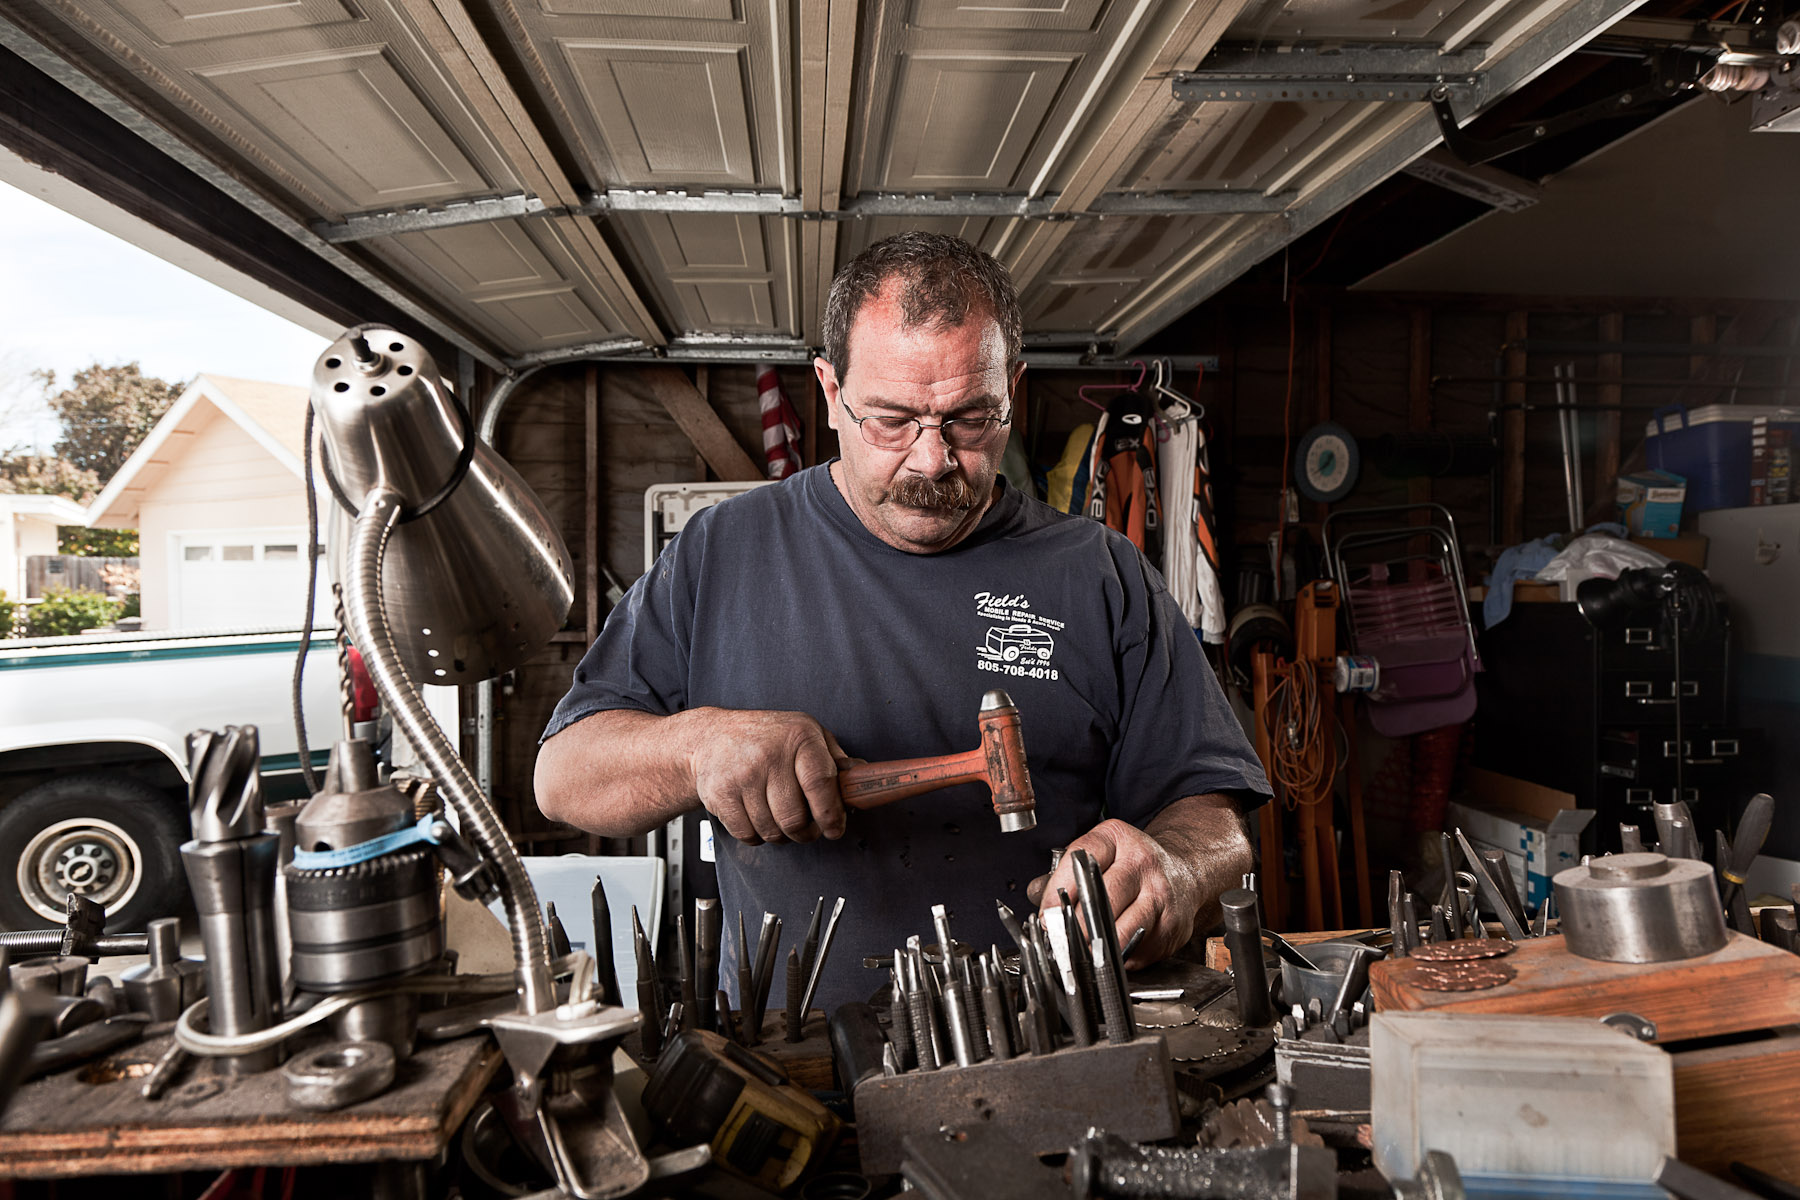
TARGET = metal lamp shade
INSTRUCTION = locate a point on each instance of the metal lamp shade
(480, 580)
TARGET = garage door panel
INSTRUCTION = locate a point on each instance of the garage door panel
(688, 10)
(668, 114)
(475, 258)
(1005, 14)
(731, 306)
(546, 318)
(967, 120)
(356, 121)
(1075, 304)
(696, 241)
(177, 22)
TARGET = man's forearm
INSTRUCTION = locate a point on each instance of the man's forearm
(617, 774)
(1205, 836)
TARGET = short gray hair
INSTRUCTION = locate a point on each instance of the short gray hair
(943, 281)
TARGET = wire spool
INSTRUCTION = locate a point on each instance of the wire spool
(1640, 908)
(1355, 673)
(1326, 463)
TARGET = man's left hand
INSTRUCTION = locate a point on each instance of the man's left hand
(1162, 879)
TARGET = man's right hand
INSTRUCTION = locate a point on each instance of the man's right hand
(768, 776)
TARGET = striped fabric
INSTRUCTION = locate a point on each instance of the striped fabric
(780, 424)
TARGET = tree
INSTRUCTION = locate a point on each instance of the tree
(44, 473)
(105, 413)
(96, 543)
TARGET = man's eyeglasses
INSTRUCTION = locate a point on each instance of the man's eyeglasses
(899, 433)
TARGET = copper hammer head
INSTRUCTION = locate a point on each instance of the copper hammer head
(1003, 747)
(998, 762)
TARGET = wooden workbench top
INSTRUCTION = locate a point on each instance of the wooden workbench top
(1747, 985)
(93, 1120)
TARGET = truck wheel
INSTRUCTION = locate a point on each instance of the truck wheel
(111, 838)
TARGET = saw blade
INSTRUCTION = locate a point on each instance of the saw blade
(1210, 1051)
(1163, 1014)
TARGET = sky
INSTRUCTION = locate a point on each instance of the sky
(72, 295)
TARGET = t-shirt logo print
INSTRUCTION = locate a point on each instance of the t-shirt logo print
(1020, 641)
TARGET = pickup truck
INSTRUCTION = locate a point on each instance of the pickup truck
(93, 757)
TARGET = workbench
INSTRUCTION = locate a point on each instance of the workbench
(93, 1120)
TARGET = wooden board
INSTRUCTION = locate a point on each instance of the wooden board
(1747, 985)
(1738, 1103)
(65, 1126)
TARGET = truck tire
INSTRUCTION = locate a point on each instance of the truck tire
(111, 838)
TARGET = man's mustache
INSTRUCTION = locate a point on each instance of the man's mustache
(949, 493)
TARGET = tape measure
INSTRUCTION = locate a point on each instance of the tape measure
(1326, 463)
(1356, 673)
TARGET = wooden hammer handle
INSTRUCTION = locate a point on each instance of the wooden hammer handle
(870, 785)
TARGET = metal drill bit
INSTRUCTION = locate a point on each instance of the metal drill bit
(1409, 908)
(1080, 1024)
(1541, 926)
(1494, 859)
(1490, 891)
(1440, 932)
(1081, 964)
(746, 983)
(559, 937)
(809, 948)
(956, 1016)
(971, 998)
(709, 922)
(918, 1009)
(796, 1015)
(768, 941)
(900, 1030)
(672, 1023)
(890, 1060)
(164, 1072)
(996, 1013)
(1396, 918)
(824, 952)
(1452, 910)
(727, 1027)
(1103, 949)
(606, 968)
(1010, 920)
(940, 924)
(647, 1001)
(684, 967)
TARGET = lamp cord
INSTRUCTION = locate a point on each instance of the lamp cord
(312, 587)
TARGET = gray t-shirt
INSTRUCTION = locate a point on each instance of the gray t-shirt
(781, 599)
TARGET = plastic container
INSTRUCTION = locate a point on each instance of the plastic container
(1521, 1102)
(1710, 448)
(567, 881)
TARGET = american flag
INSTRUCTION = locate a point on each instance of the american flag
(780, 424)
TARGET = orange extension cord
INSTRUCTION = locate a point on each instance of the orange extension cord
(1303, 757)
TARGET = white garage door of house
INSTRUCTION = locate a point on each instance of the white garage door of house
(241, 579)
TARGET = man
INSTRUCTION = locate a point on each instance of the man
(861, 609)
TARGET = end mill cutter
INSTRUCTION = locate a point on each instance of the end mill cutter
(231, 865)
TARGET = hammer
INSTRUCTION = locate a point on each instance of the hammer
(998, 762)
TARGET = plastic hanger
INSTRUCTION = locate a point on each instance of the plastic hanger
(1085, 388)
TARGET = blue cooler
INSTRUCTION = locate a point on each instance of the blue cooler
(1710, 448)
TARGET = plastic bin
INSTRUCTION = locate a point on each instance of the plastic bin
(1520, 1101)
(1710, 448)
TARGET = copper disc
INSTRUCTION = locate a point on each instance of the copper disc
(1462, 949)
(1461, 976)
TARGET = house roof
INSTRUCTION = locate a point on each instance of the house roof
(273, 414)
(59, 509)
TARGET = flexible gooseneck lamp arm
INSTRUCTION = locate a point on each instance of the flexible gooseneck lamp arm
(452, 572)
(370, 630)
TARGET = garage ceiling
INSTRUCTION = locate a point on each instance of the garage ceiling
(552, 179)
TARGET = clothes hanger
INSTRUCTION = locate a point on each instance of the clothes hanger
(1085, 388)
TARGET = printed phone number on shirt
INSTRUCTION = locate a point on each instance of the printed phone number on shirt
(1021, 672)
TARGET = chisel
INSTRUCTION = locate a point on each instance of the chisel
(606, 969)
(709, 922)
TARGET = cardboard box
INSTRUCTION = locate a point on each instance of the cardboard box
(1651, 502)
(1536, 827)
(1689, 548)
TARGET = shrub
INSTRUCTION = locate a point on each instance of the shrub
(63, 612)
(7, 608)
(132, 607)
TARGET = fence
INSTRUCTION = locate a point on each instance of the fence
(74, 572)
